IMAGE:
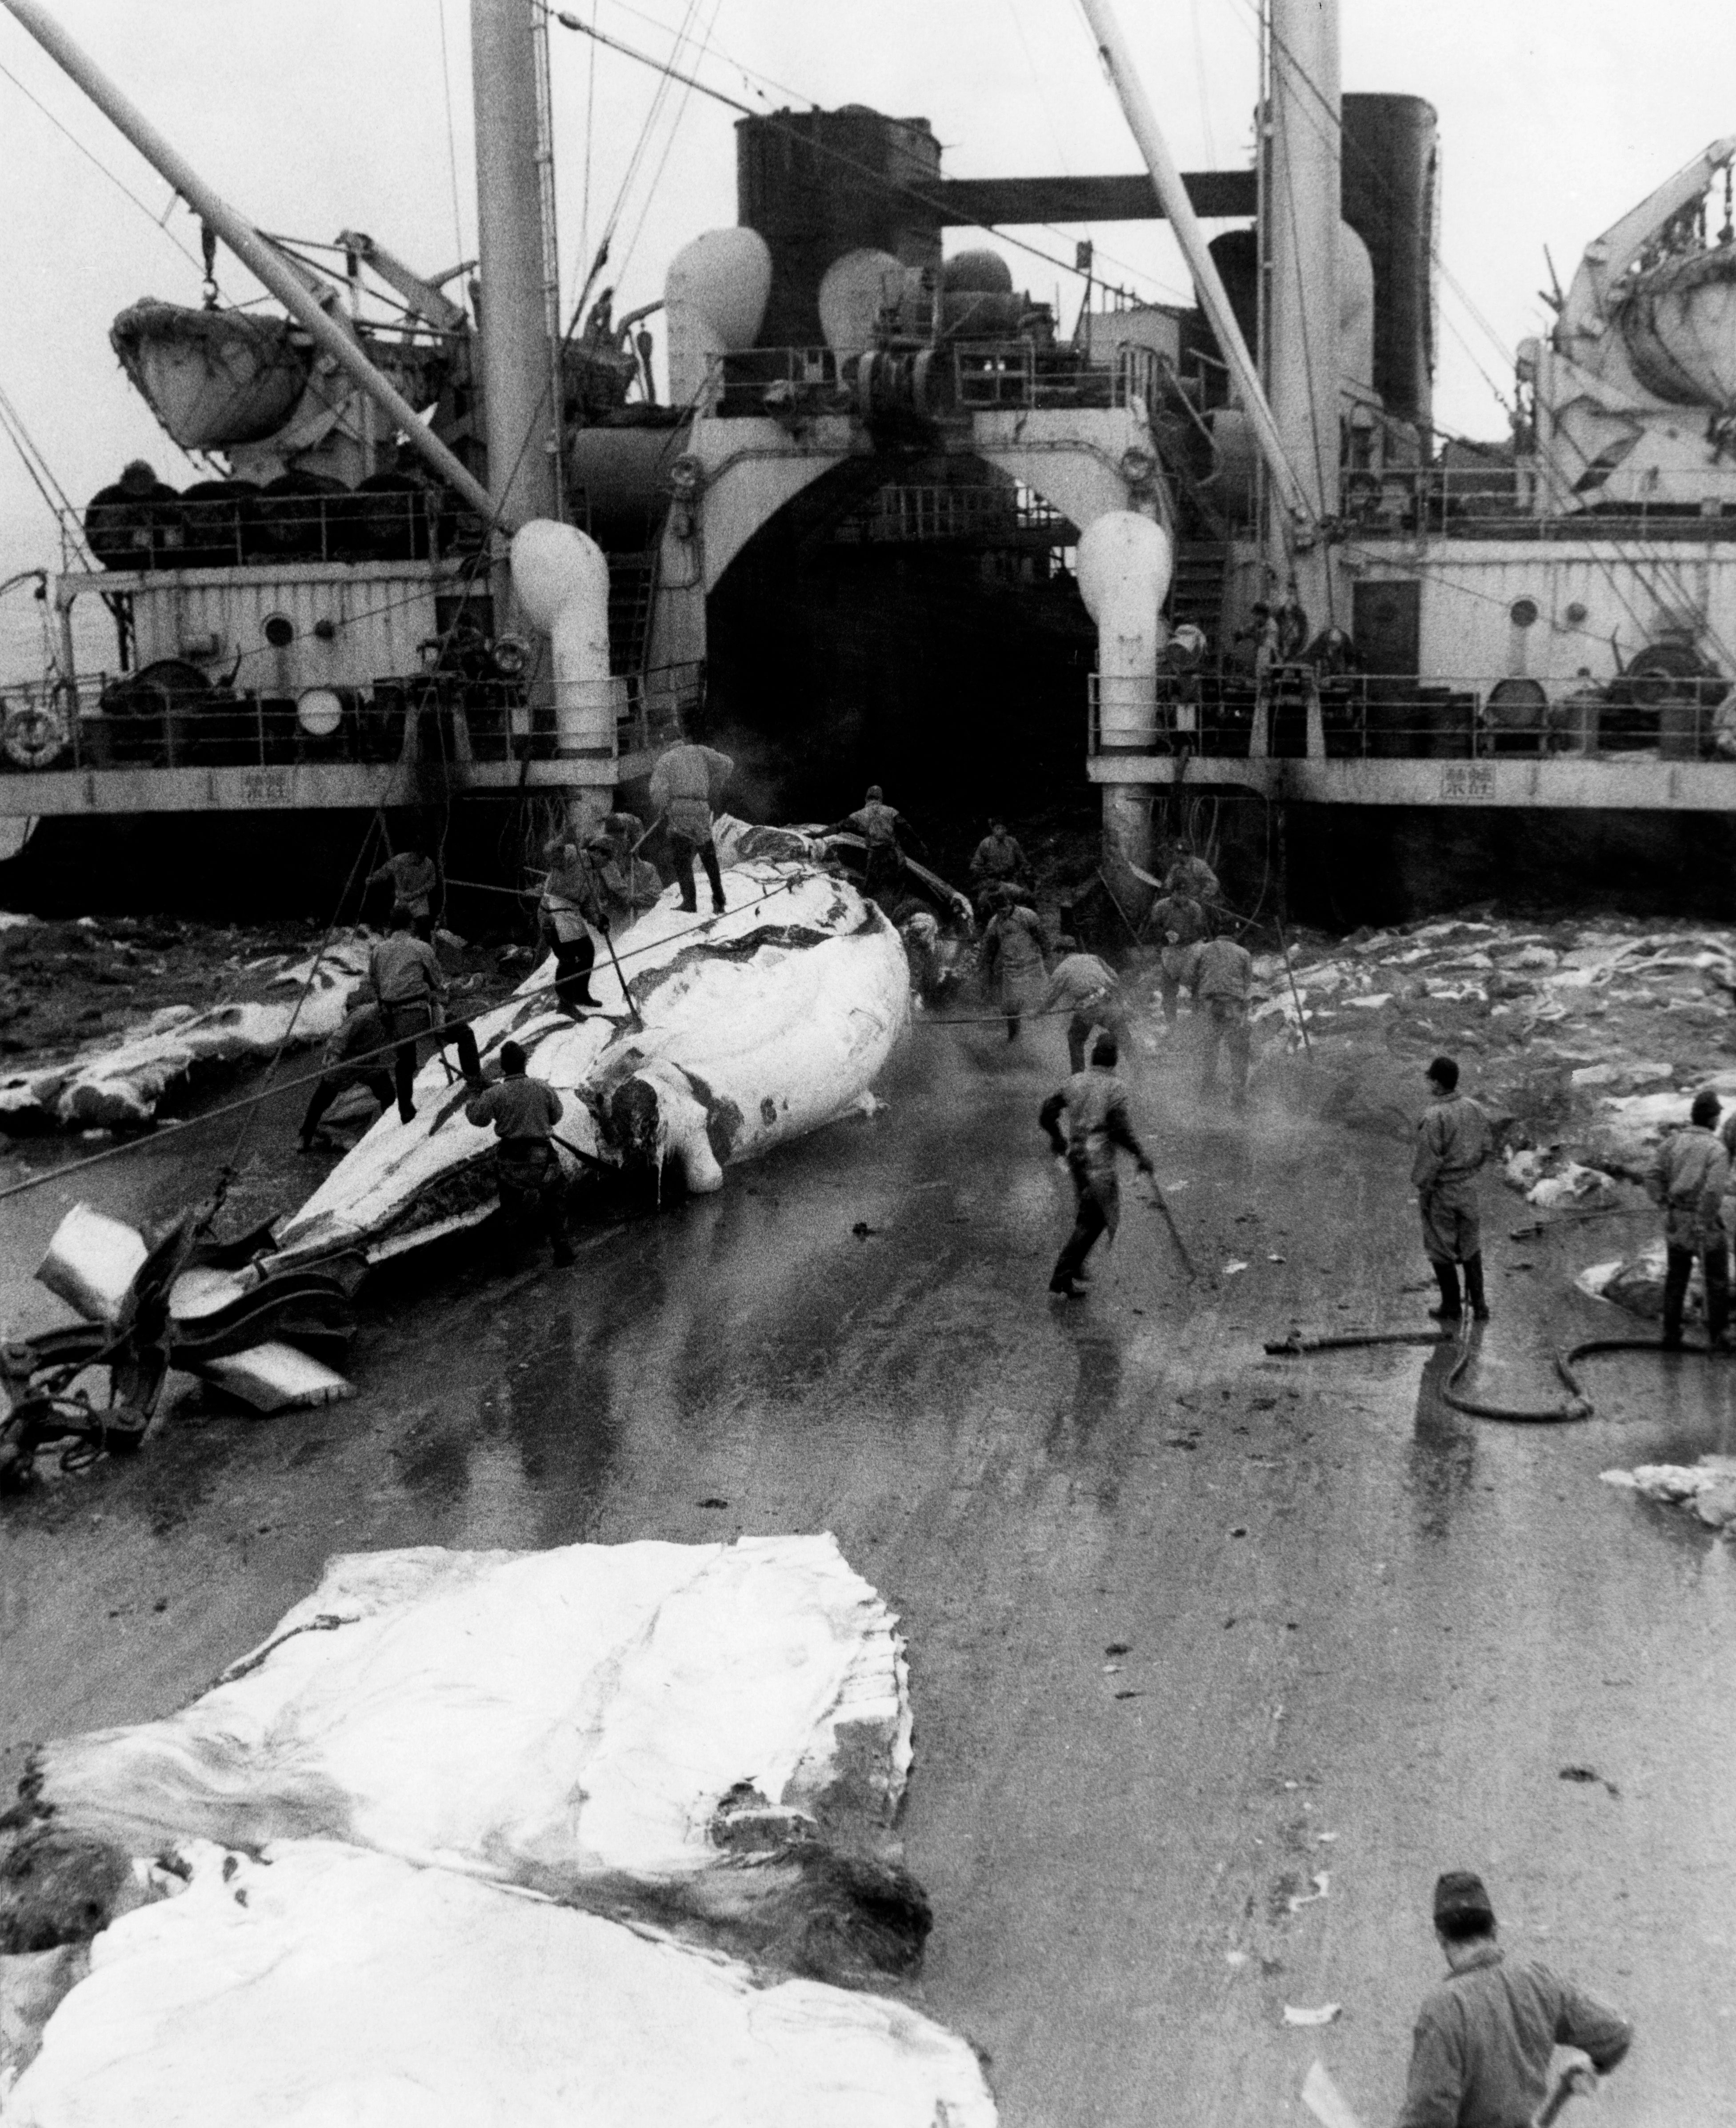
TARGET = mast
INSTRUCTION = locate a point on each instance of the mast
(551, 244)
(1172, 196)
(260, 258)
(1300, 212)
(519, 415)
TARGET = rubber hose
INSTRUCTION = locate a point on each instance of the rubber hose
(1578, 1406)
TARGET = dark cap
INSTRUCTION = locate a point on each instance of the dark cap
(1460, 1895)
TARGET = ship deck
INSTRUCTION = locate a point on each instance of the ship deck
(1625, 783)
(291, 787)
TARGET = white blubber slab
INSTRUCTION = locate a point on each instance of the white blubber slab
(276, 1377)
(543, 1717)
(321, 1985)
(751, 1028)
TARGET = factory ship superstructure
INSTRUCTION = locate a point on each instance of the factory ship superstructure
(887, 514)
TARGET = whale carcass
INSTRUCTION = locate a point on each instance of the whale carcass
(737, 1033)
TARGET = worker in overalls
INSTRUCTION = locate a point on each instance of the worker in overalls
(1090, 991)
(1453, 1142)
(413, 878)
(685, 783)
(572, 916)
(1221, 979)
(1690, 1177)
(524, 1112)
(1181, 925)
(410, 986)
(879, 826)
(1094, 1103)
(354, 1057)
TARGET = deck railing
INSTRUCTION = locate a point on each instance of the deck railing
(1495, 500)
(113, 721)
(957, 376)
(254, 528)
(1372, 716)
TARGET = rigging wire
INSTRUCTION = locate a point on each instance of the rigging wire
(667, 75)
(757, 82)
(119, 184)
(675, 127)
(591, 105)
(1036, 79)
(824, 149)
(452, 140)
(42, 476)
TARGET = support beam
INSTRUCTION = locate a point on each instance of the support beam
(1214, 195)
(1166, 181)
(260, 259)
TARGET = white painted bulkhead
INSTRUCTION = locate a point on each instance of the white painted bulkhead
(1596, 605)
(352, 624)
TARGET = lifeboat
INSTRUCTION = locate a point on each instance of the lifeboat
(213, 378)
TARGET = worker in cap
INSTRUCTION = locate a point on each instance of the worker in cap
(1689, 1178)
(1219, 980)
(524, 1112)
(1453, 1140)
(996, 861)
(1481, 2051)
(1187, 872)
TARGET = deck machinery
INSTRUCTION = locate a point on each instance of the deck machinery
(325, 623)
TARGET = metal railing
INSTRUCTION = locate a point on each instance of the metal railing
(260, 529)
(997, 374)
(919, 514)
(1372, 716)
(117, 722)
(1495, 500)
(964, 375)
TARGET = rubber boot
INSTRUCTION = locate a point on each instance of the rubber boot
(1446, 1277)
(1474, 1288)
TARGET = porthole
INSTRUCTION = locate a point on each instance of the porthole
(1523, 613)
(1574, 613)
(280, 630)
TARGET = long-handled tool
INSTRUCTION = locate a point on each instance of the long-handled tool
(638, 1018)
(1160, 1203)
(1325, 2102)
(1330, 2106)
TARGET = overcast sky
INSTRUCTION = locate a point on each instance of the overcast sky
(311, 116)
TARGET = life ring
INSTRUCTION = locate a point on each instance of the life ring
(35, 734)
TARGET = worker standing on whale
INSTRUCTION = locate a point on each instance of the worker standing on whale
(880, 827)
(524, 1112)
(685, 784)
(410, 986)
